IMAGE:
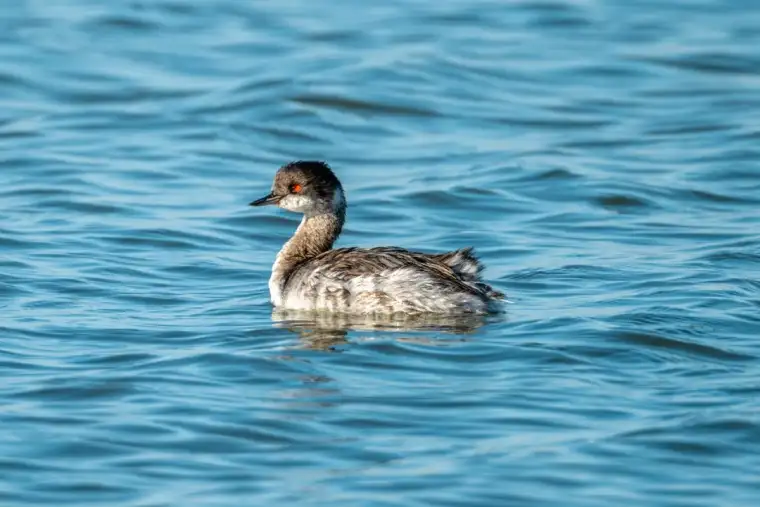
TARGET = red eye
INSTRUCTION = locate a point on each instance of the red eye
(295, 188)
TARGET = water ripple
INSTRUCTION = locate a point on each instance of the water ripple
(600, 157)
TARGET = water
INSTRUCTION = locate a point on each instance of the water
(602, 157)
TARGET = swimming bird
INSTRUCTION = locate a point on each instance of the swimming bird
(308, 274)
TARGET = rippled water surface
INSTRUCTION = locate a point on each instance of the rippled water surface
(601, 156)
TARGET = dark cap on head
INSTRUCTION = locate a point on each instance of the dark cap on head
(315, 171)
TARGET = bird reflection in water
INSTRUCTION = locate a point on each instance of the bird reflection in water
(325, 330)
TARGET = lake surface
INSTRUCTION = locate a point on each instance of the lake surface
(603, 157)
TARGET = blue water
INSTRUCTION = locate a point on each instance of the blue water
(603, 157)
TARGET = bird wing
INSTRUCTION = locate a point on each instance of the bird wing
(344, 264)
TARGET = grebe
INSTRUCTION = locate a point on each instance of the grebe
(309, 275)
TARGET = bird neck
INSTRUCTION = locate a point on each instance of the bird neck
(316, 234)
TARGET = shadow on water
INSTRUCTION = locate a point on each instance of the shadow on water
(324, 330)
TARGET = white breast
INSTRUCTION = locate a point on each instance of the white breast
(275, 291)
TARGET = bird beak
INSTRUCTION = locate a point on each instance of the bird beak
(266, 200)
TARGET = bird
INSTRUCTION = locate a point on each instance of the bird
(309, 274)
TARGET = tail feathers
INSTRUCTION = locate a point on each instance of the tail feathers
(463, 262)
(490, 291)
(467, 267)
